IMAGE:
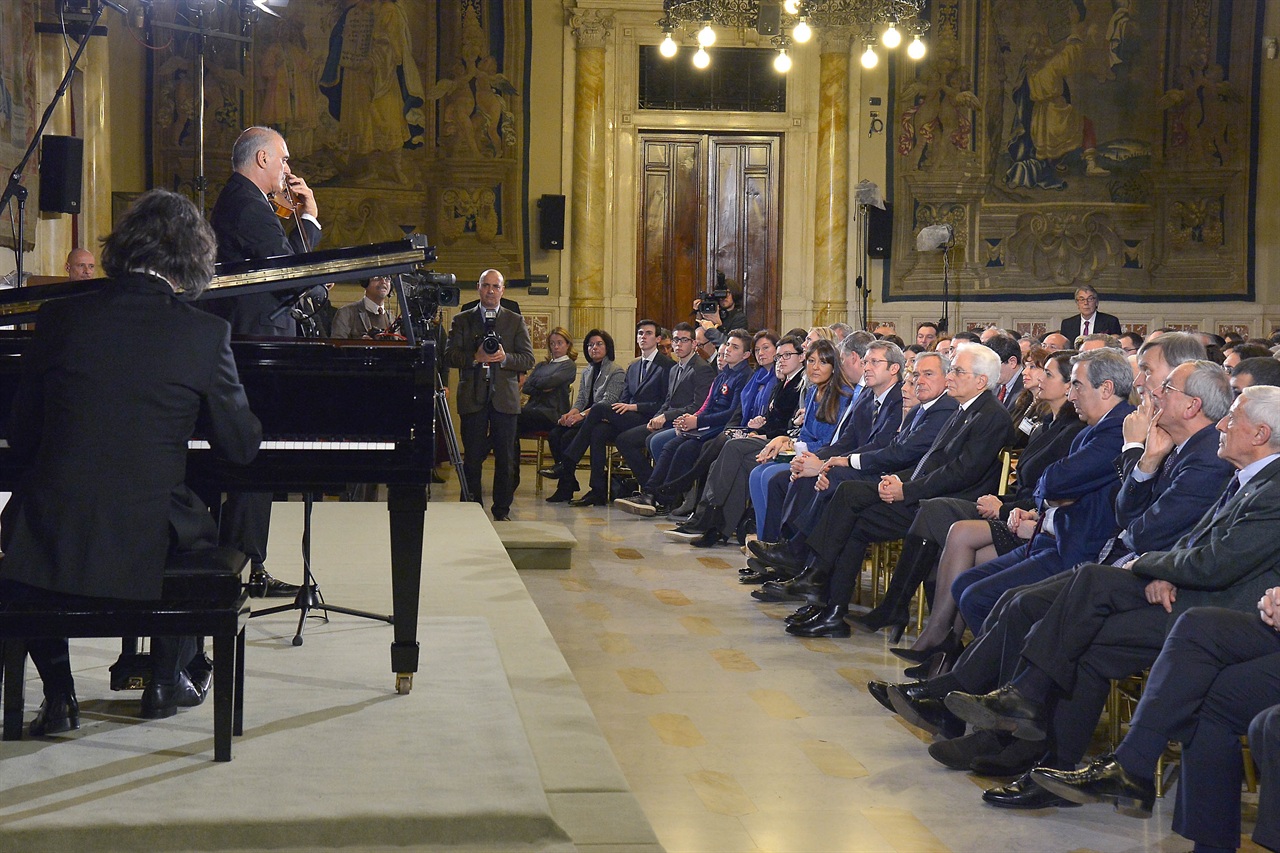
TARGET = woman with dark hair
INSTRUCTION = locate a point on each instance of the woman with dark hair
(600, 384)
(974, 532)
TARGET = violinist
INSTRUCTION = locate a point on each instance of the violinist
(248, 228)
(368, 316)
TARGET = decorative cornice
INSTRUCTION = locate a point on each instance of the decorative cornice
(591, 27)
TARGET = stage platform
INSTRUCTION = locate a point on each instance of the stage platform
(495, 748)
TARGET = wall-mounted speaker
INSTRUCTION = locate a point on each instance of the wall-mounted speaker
(61, 167)
(879, 231)
(551, 222)
(769, 19)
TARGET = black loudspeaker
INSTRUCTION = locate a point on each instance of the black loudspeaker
(769, 20)
(879, 231)
(551, 222)
(61, 167)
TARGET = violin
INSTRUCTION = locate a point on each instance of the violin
(286, 205)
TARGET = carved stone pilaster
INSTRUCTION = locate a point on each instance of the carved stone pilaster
(589, 212)
(591, 27)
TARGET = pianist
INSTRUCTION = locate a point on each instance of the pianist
(247, 228)
(101, 422)
(489, 388)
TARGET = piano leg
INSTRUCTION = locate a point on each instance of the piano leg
(408, 508)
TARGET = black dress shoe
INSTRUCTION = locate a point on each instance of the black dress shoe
(920, 655)
(959, 753)
(555, 472)
(164, 700)
(1016, 758)
(1024, 794)
(200, 671)
(775, 592)
(263, 585)
(501, 516)
(879, 691)
(778, 554)
(56, 715)
(829, 623)
(804, 614)
(1003, 709)
(767, 576)
(928, 714)
(589, 499)
(1102, 781)
(560, 496)
(933, 667)
(710, 539)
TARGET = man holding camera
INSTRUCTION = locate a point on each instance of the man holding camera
(490, 346)
(718, 310)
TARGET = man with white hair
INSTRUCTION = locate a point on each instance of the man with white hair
(963, 462)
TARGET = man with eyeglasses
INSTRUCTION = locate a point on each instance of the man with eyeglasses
(1090, 320)
(1131, 342)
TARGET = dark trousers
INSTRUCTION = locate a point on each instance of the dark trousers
(977, 590)
(484, 431)
(1219, 669)
(855, 517)
(245, 524)
(803, 505)
(678, 456)
(633, 444)
(1264, 743)
(728, 481)
(600, 428)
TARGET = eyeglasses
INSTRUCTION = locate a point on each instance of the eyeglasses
(1086, 299)
(875, 361)
(782, 354)
(960, 371)
(1167, 386)
(595, 344)
(682, 339)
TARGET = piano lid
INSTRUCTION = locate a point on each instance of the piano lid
(285, 272)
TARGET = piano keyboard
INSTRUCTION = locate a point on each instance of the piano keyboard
(199, 444)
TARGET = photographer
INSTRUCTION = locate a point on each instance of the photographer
(721, 318)
(490, 346)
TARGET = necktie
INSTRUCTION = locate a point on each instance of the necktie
(957, 421)
(1002, 393)
(875, 411)
(643, 365)
(1084, 328)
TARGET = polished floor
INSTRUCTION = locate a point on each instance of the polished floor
(735, 737)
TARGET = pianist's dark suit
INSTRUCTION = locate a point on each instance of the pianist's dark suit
(102, 419)
(248, 229)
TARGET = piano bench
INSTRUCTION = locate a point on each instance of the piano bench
(203, 595)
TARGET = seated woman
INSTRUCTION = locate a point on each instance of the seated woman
(976, 532)
(724, 501)
(547, 385)
(599, 385)
(748, 417)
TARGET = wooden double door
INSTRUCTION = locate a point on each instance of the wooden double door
(709, 203)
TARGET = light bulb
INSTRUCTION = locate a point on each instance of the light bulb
(706, 36)
(802, 33)
(891, 38)
(791, 7)
(701, 59)
(869, 58)
(668, 47)
(915, 50)
(782, 63)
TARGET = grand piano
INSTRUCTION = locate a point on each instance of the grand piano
(332, 412)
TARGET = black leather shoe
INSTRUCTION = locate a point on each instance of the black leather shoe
(829, 623)
(262, 585)
(775, 592)
(767, 576)
(928, 714)
(1024, 794)
(200, 671)
(164, 700)
(804, 614)
(1102, 781)
(560, 496)
(589, 499)
(778, 554)
(921, 655)
(1003, 709)
(879, 691)
(710, 539)
(56, 715)
(1016, 758)
(555, 472)
(959, 753)
(502, 516)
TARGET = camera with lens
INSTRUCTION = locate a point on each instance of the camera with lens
(490, 340)
(709, 300)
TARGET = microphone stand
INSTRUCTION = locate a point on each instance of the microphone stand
(14, 189)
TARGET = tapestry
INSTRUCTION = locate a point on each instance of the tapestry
(404, 116)
(1112, 142)
(19, 117)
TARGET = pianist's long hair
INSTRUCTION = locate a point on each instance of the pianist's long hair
(163, 233)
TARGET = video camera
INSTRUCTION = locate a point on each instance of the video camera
(709, 300)
(425, 291)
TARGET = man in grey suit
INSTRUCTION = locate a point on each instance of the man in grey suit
(491, 347)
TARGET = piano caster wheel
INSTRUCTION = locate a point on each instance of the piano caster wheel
(297, 639)
(404, 683)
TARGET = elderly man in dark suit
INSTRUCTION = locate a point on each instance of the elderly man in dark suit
(1109, 621)
(643, 393)
(1218, 667)
(1162, 495)
(1090, 320)
(963, 462)
(491, 347)
(247, 228)
(88, 524)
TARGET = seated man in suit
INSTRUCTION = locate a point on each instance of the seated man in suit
(1090, 320)
(643, 392)
(1009, 386)
(688, 382)
(962, 462)
(368, 315)
(89, 525)
(1109, 621)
